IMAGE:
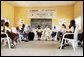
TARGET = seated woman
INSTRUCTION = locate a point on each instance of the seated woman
(3, 35)
(3, 29)
(72, 28)
(12, 35)
(24, 33)
(61, 32)
(54, 31)
(20, 36)
(47, 33)
(63, 29)
(80, 39)
(39, 32)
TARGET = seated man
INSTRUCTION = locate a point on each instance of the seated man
(30, 33)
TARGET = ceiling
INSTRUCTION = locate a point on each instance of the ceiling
(40, 3)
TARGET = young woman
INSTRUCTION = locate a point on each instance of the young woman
(39, 32)
(54, 31)
(3, 35)
(3, 28)
(72, 28)
(61, 32)
(12, 35)
(47, 33)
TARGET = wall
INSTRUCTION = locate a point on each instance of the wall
(65, 12)
(78, 11)
(21, 13)
(7, 11)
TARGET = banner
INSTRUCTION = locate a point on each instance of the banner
(42, 14)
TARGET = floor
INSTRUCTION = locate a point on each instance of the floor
(40, 48)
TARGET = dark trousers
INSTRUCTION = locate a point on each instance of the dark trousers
(31, 36)
(3, 35)
(60, 36)
(53, 34)
(39, 34)
(13, 36)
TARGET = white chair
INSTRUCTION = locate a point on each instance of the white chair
(6, 38)
(73, 41)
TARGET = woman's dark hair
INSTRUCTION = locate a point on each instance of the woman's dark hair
(72, 23)
(2, 22)
(7, 24)
(54, 27)
(17, 28)
(23, 25)
(64, 25)
(39, 26)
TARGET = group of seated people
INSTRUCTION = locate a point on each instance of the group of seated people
(15, 33)
(25, 33)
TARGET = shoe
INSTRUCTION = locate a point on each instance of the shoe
(46, 40)
(25, 40)
(13, 46)
(67, 44)
(52, 39)
(22, 40)
(62, 47)
(79, 43)
(38, 39)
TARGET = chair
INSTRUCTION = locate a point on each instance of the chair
(6, 38)
(72, 41)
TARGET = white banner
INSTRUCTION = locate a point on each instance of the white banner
(41, 14)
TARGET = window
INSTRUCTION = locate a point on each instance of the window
(78, 21)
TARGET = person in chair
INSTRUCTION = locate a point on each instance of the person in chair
(39, 32)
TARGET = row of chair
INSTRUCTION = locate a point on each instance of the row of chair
(72, 41)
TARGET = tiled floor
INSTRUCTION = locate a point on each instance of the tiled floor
(40, 48)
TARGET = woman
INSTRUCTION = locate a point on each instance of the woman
(72, 28)
(3, 35)
(3, 29)
(22, 33)
(63, 29)
(47, 33)
(12, 35)
(61, 32)
(54, 31)
(39, 32)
